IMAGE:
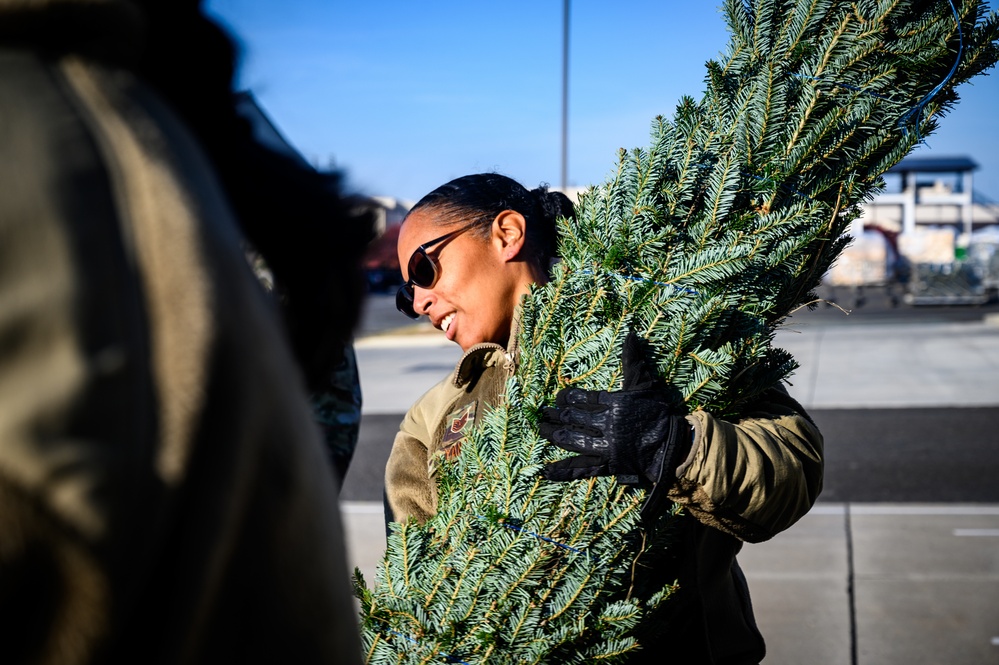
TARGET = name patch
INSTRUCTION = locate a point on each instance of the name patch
(457, 425)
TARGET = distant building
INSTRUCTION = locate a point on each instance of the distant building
(380, 262)
(391, 212)
(928, 232)
(264, 130)
(931, 191)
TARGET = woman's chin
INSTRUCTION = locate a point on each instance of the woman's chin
(455, 336)
(464, 341)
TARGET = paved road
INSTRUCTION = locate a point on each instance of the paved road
(872, 455)
(907, 398)
(876, 304)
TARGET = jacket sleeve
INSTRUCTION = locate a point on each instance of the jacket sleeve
(409, 486)
(754, 476)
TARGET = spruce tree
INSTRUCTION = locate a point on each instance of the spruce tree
(703, 243)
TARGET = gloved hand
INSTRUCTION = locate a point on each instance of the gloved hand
(635, 433)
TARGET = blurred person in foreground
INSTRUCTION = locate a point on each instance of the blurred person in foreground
(164, 496)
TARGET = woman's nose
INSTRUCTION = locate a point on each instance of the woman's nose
(423, 300)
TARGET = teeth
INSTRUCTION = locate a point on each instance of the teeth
(446, 323)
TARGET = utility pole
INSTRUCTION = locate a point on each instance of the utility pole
(565, 94)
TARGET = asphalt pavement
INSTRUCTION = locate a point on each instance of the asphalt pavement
(898, 562)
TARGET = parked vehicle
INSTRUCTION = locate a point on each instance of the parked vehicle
(944, 272)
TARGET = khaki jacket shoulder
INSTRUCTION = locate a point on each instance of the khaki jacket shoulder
(756, 475)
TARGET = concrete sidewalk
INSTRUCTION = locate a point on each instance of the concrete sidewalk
(870, 584)
(867, 584)
(879, 584)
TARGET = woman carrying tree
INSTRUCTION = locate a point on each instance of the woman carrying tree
(471, 250)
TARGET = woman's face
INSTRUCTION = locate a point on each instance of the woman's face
(480, 279)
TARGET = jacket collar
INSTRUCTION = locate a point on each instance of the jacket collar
(481, 356)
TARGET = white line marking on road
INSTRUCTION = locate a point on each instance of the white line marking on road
(362, 507)
(828, 509)
(982, 533)
(922, 510)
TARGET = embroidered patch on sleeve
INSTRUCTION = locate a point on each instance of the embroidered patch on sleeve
(456, 428)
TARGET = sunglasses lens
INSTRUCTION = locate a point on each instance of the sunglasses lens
(404, 301)
(422, 271)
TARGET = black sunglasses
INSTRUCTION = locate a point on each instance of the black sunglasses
(423, 272)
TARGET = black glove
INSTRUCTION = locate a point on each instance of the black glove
(635, 433)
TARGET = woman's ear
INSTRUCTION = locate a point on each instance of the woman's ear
(509, 233)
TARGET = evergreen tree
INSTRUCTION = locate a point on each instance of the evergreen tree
(703, 243)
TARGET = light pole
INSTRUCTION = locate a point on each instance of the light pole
(565, 94)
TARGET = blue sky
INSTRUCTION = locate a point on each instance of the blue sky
(404, 96)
